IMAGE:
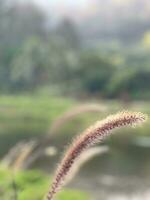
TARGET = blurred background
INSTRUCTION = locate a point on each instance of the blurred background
(63, 65)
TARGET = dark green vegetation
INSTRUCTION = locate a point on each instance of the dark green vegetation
(37, 58)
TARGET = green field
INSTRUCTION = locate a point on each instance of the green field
(26, 117)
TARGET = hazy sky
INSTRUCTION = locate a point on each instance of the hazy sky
(76, 3)
(71, 8)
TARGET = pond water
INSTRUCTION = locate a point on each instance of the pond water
(111, 176)
(108, 187)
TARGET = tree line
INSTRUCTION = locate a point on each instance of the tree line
(35, 55)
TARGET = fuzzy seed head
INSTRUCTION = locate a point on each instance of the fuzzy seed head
(91, 136)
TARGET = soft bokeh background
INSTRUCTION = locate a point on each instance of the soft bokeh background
(63, 65)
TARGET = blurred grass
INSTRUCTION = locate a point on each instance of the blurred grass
(32, 185)
(27, 117)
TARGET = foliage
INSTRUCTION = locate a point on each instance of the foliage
(125, 81)
(35, 54)
(31, 185)
(94, 73)
(146, 40)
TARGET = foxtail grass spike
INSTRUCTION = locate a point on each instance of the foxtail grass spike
(91, 136)
(84, 157)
